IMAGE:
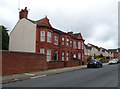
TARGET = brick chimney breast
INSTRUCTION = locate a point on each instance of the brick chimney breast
(23, 13)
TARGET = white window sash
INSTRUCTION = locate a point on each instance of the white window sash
(74, 44)
(63, 40)
(48, 54)
(56, 40)
(49, 34)
(42, 50)
(79, 56)
(67, 56)
(79, 45)
(63, 56)
(42, 35)
(71, 43)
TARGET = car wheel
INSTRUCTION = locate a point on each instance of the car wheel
(98, 66)
(88, 66)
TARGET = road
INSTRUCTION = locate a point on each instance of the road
(107, 76)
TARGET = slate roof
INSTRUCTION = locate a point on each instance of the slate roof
(51, 28)
(74, 36)
(87, 47)
(31, 21)
(113, 50)
(95, 46)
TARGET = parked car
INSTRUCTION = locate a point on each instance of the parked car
(118, 61)
(94, 63)
(114, 61)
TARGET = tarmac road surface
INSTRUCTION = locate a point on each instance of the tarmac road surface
(107, 76)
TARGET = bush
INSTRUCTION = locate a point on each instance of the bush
(76, 59)
(55, 61)
(103, 60)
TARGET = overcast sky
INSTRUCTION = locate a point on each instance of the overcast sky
(96, 20)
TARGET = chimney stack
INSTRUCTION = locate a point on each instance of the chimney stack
(23, 13)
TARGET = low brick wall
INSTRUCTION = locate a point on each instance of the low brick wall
(53, 65)
(72, 63)
(85, 59)
(19, 62)
(0, 62)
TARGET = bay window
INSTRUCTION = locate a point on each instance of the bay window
(42, 50)
(78, 45)
(67, 43)
(82, 45)
(75, 44)
(42, 35)
(49, 35)
(56, 40)
(63, 56)
(67, 56)
(71, 43)
(63, 40)
(48, 54)
(79, 56)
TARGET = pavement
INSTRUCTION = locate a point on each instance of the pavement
(30, 75)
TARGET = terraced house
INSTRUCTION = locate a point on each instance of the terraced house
(92, 51)
(40, 37)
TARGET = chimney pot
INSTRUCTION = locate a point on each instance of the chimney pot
(23, 13)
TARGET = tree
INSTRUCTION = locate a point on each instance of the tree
(101, 55)
(4, 42)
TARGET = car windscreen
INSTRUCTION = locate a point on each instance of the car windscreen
(92, 60)
(115, 59)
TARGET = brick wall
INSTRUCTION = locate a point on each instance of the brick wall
(0, 62)
(19, 62)
(85, 59)
(116, 55)
(72, 63)
(55, 65)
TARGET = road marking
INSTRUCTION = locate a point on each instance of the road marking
(38, 76)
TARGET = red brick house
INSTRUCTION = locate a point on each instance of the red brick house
(40, 37)
(115, 53)
(119, 52)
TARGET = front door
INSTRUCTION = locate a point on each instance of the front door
(55, 55)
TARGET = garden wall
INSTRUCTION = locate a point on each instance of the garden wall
(72, 63)
(19, 62)
(53, 65)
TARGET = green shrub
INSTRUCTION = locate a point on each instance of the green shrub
(55, 61)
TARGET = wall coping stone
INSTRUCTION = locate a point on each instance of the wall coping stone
(6, 51)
